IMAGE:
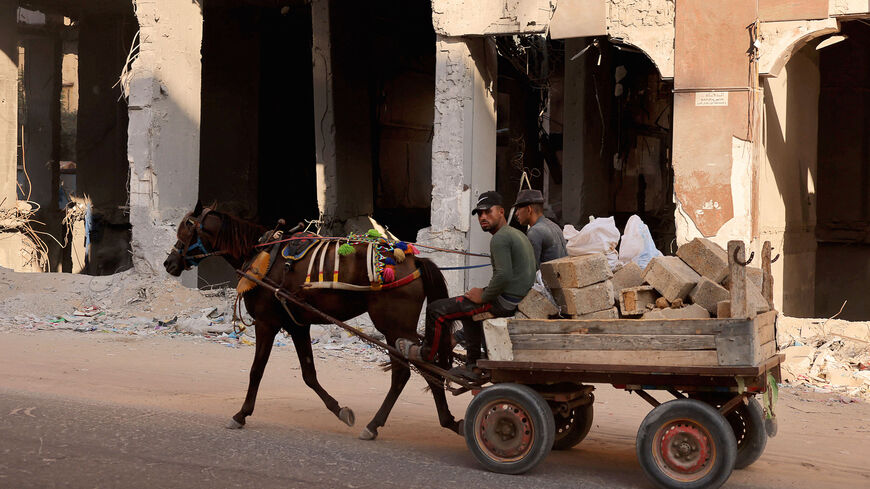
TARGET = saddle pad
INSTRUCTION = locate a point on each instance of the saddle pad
(297, 248)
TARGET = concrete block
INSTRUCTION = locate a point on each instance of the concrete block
(592, 298)
(692, 311)
(612, 313)
(798, 360)
(537, 306)
(723, 309)
(629, 275)
(671, 277)
(575, 271)
(705, 257)
(755, 298)
(754, 275)
(709, 294)
(635, 301)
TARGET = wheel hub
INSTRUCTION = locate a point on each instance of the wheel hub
(685, 448)
(505, 431)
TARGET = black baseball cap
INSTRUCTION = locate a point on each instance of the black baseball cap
(487, 200)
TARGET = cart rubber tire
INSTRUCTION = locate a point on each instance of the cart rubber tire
(509, 428)
(686, 444)
(572, 430)
(747, 422)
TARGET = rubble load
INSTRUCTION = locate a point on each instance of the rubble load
(692, 285)
(137, 305)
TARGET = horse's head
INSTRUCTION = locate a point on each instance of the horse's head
(197, 234)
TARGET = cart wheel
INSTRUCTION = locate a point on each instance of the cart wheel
(747, 422)
(572, 429)
(686, 444)
(509, 428)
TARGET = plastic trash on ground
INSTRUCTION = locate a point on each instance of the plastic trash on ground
(637, 244)
(599, 236)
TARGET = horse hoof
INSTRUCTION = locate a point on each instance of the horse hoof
(460, 427)
(367, 435)
(234, 425)
(346, 415)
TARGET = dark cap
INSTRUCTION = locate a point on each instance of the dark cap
(529, 196)
(487, 200)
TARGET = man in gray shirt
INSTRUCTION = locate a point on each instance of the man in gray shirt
(546, 237)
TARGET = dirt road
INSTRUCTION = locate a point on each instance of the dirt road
(154, 407)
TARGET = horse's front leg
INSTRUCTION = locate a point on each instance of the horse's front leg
(265, 337)
(302, 341)
(400, 376)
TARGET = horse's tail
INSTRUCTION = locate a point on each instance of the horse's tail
(433, 280)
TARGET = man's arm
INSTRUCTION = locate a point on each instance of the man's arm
(502, 268)
(536, 238)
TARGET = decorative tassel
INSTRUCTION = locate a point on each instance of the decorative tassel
(389, 261)
(346, 249)
(399, 254)
(402, 245)
(389, 274)
(373, 233)
(412, 250)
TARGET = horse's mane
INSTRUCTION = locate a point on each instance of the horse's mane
(237, 236)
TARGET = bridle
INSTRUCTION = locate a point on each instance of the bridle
(191, 261)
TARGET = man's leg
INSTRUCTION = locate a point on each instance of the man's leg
(439, 316)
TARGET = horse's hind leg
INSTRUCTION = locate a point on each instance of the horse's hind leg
(265, 337)
(302, 341)
(400, 376)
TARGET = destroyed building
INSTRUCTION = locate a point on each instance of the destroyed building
(746, 122)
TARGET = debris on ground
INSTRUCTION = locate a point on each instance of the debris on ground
(827, 355)
(132, 304)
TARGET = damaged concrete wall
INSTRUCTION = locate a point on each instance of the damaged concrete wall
(787, 180)
(163, 137)
(490, 17)
(715, 116)
(463, 153)
(848, 7)
(647, 24)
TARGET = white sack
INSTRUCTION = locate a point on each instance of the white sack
(599, 236)
(637, 244)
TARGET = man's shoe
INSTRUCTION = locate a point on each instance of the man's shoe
(409, 349)
(471, 373)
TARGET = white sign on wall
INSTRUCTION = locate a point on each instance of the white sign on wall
(711, 99)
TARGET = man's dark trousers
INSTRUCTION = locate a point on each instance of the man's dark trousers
(440, 315)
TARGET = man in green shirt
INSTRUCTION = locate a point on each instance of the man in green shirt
(513, 273)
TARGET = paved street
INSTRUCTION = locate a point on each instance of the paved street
(113, 411)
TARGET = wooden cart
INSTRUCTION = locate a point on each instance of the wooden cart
(541, 398)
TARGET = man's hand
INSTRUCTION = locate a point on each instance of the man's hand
(475, 295)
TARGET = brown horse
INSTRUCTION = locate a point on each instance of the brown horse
(394, 312)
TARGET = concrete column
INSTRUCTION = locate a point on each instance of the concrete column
(164, 128)
(101, 133)
(8, 102)
(324, 110)
(342, 117)
(43, 99)
(463, 154)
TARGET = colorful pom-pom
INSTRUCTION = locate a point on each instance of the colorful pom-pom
(346, 249)
(389, 274)
(373, 233)
(399, 254)
(412, 250)
(389, 261)
(402, 245)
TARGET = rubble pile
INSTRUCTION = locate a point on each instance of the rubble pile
(143, 305)
(827, 355)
